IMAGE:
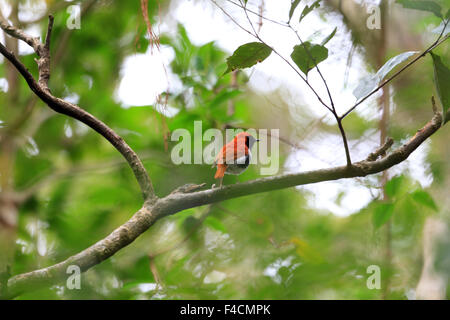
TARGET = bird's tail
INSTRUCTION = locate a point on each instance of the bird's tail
(220, 171)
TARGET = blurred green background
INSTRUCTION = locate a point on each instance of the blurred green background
(76, 189)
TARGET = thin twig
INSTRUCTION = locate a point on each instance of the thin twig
(316, 66)
(381, 151)
(434, 45)
(248, 18)
(332, 109)
(277, 53)
(258, 14)
(44, 61)
(17, 33)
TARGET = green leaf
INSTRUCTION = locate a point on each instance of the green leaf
(447, 15)
(330, 36)
(248, 55)
(294, 5)
(215, 224)
(370, 83)
(442, 82)
(393, 186)
(438, 30)
(383, 211)
(308, 9)
(425, 199)
(302, 55)
(429, 6)
(408, 215)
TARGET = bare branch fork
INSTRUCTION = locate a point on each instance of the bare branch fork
(182, 198)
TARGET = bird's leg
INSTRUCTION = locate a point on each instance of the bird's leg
(220, 184)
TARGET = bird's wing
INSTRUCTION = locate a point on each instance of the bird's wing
(231, 151)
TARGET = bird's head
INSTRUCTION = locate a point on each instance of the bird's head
(247, 138)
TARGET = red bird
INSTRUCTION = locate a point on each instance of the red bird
(235, 156)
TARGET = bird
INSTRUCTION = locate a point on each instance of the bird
(235, 156)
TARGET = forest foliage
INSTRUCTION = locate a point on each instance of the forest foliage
(276, 245)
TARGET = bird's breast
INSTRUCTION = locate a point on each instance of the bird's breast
(239, 165)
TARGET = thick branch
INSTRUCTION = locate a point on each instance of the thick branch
(86, 259)
(72, 110)
(178, 201)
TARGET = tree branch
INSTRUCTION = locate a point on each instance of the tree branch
(44, 61)
(178, 201)
(315, 65)
(86, 259)
(17, 33)
(258, 14)
(344, 140)
(61, 106)
(381, 151)
(155, 208)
